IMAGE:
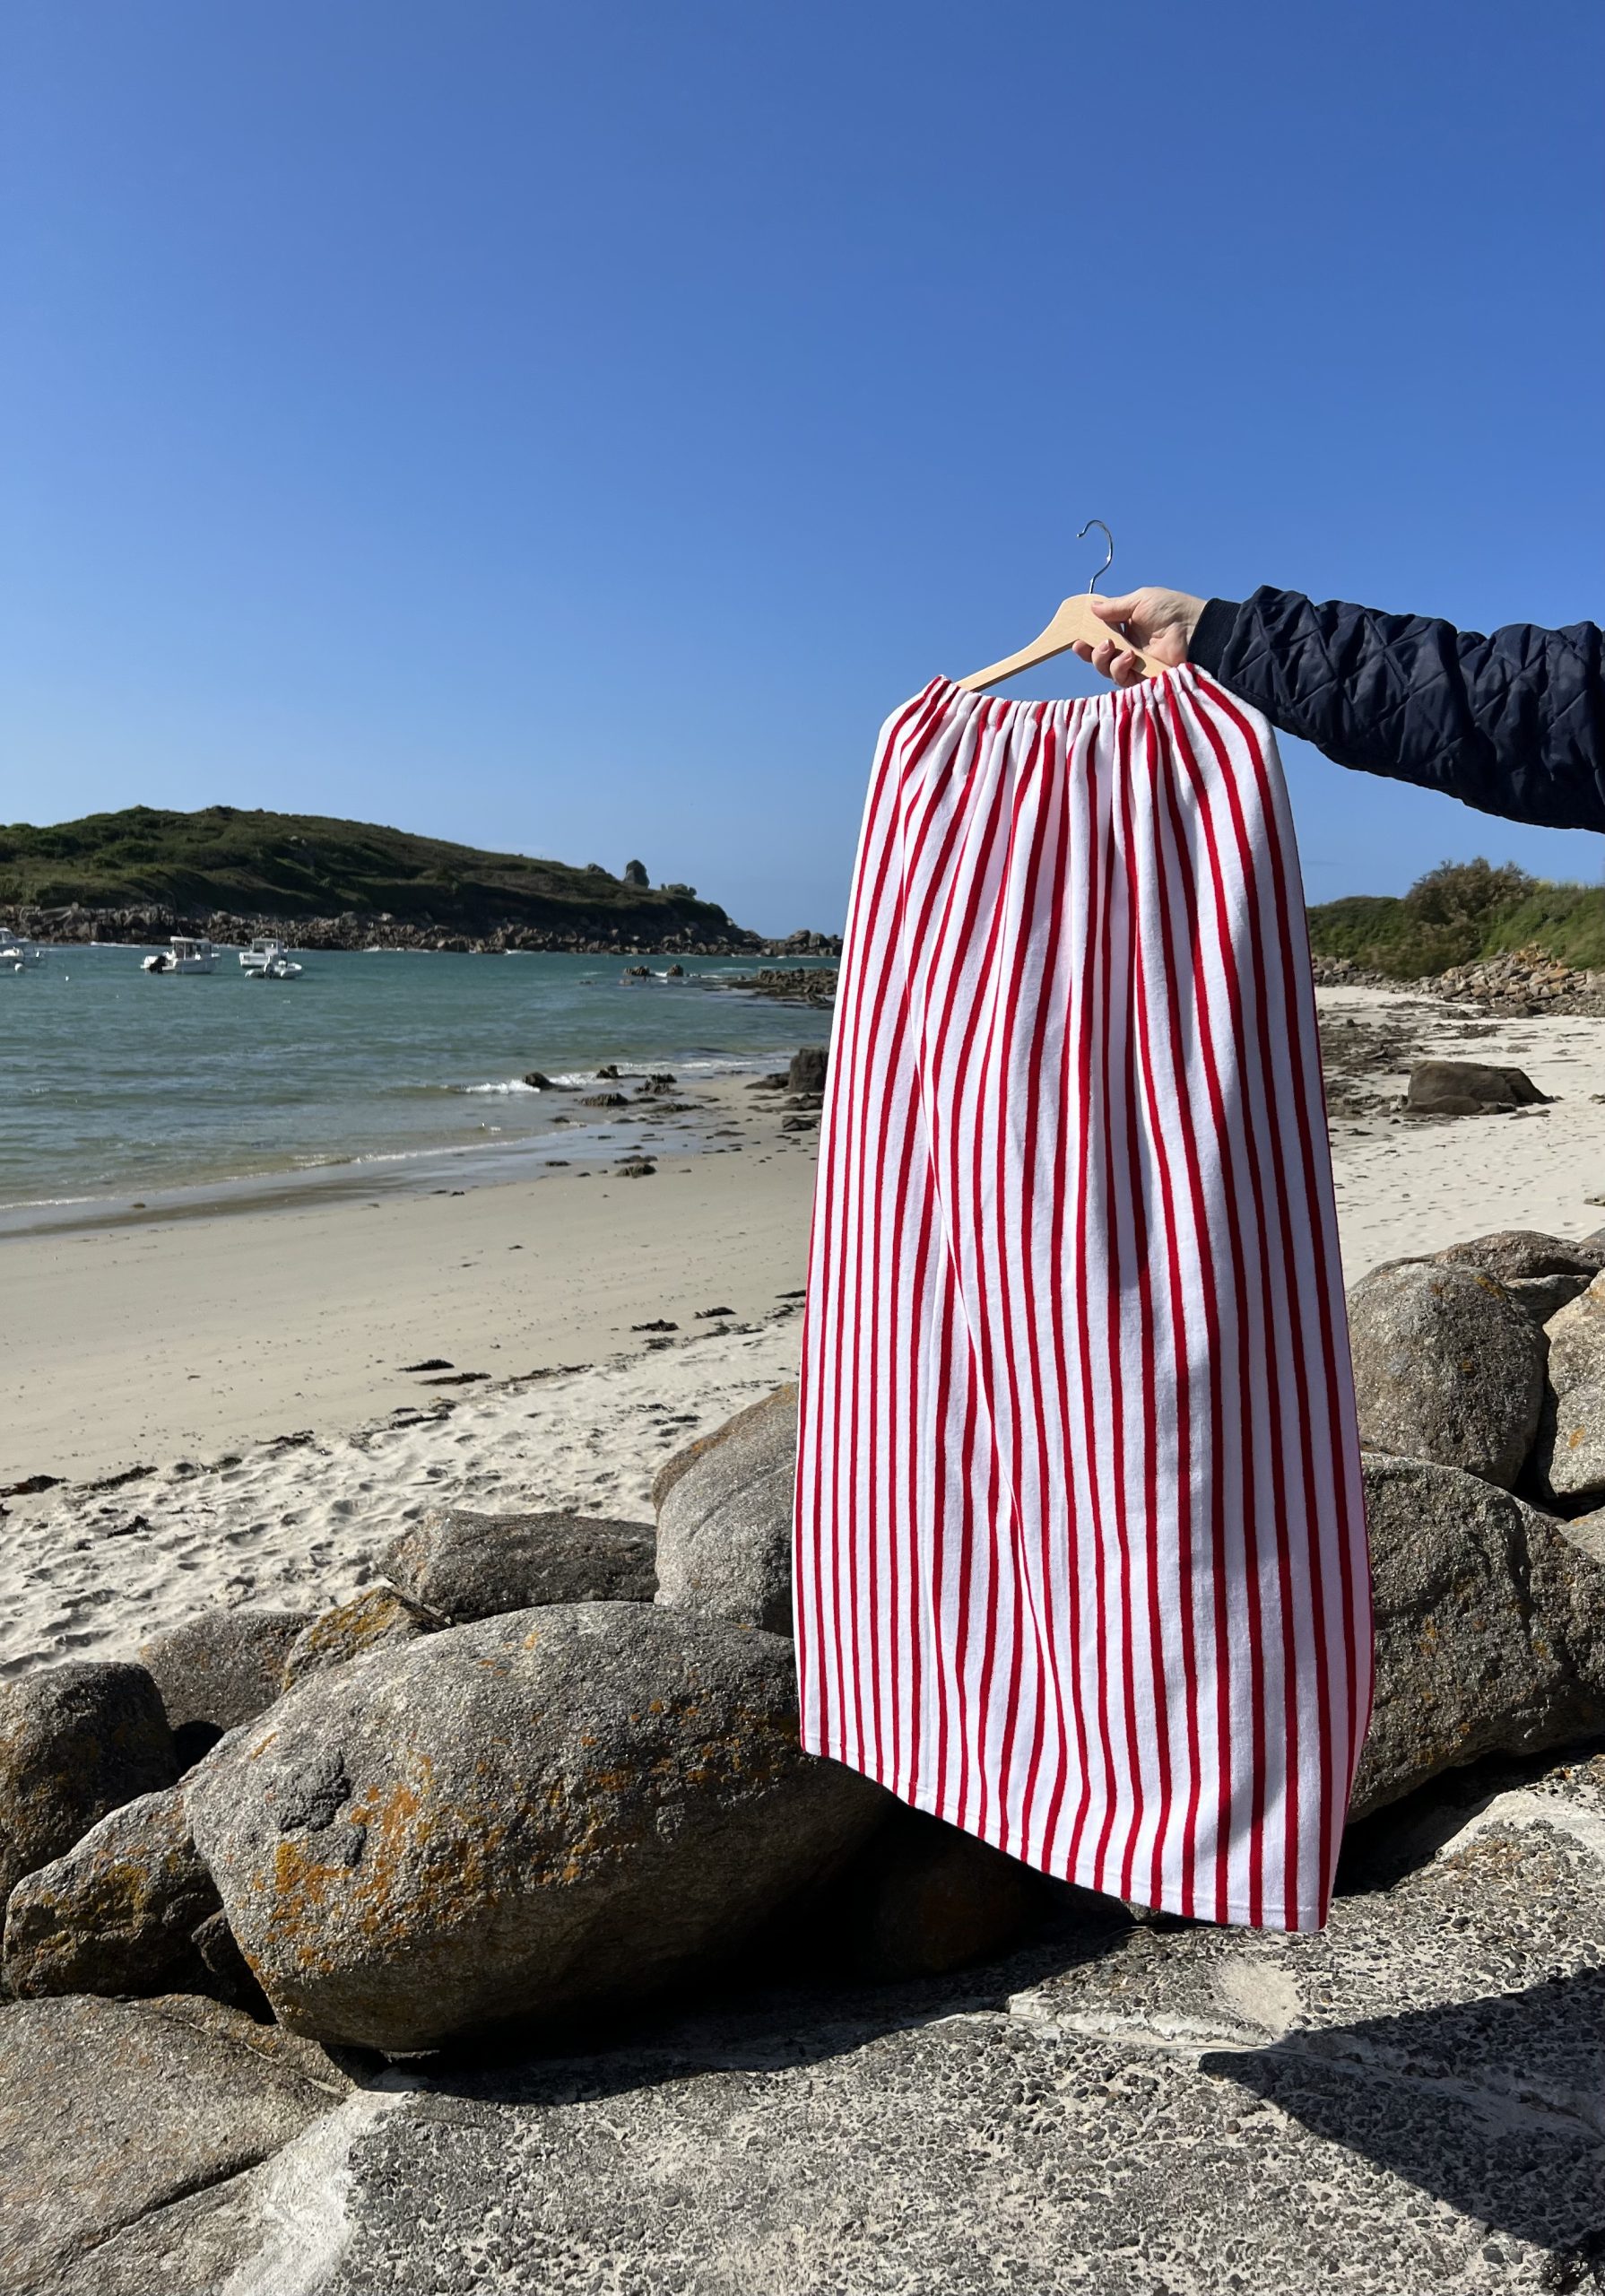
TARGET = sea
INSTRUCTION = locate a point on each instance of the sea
(123, 1093)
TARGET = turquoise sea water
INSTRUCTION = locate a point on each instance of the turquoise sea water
(381, 1069)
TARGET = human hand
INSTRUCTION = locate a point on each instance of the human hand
(1160, 621)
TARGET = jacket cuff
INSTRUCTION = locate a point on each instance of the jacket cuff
(1208, 644)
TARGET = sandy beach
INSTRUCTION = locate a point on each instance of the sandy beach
(248, 1373)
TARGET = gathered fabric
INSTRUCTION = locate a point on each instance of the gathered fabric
(1080, 1561)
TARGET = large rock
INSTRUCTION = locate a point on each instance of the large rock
(1446, 1367)
(1468, 1088)
(544, 1810)
(809, 1067)
(463, 1566)
(116, 1913)
(219, 1670)
(376, 1621)
(1543, 1273)
(922, 1899)
(75, 1741)
(110, 2110)
(1490, 1628)
(725, 1509)
(1571, 1446)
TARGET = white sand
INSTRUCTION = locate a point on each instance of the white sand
(187, 1346)
(1404, 1186)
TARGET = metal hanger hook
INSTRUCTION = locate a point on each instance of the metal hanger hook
(1108, 561)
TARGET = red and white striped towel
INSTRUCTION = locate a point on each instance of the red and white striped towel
(1080, 1559)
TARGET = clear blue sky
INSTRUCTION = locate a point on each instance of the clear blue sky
(572, 428)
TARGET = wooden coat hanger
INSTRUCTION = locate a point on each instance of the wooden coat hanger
(1075, 623)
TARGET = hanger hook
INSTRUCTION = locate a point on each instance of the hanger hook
(1108, 561)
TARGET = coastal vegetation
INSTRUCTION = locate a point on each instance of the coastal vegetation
(289, 867)
(1457, 913)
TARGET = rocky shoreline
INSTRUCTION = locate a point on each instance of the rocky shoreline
(808, 985)
(357, 931)
(497, 1828)
(1522, 984)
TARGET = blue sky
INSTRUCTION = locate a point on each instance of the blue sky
(572, 429)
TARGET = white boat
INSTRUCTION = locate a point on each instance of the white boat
(185, 955)
(18, 954)
(268, 954)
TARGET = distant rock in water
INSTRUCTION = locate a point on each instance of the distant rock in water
(785, 985)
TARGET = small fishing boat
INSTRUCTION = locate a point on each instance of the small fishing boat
(265, 953)
(18, 954)
(278, 967)
(186, 954)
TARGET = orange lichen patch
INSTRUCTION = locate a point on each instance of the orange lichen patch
(301, 1883)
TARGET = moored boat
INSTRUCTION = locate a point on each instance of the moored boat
(265, 950)
(17, 953)
(186, 954)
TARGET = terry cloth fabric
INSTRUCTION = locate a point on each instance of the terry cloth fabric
(1080, 1559)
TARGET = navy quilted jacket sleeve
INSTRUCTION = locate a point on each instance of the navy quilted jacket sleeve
(1514, 723)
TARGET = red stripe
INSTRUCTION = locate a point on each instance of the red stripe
(1148, 1351)
(1281, 1316)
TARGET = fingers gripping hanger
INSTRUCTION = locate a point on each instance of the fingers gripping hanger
(1074, 624)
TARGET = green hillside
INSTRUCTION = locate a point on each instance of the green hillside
(1460, 911)
(289, 865)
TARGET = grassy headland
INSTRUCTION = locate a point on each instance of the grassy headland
(1460, 912)
(286, 867)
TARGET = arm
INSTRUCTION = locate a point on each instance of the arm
(1514, 723)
